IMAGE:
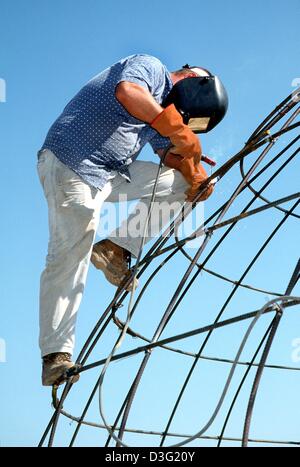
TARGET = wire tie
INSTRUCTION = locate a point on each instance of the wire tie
(276, 307)
(209, 232)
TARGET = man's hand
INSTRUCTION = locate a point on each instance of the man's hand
(169, 123)
(193, 172)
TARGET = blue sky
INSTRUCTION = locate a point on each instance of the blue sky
(48, 50)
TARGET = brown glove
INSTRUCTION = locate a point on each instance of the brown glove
(169, 123)
(193, 172)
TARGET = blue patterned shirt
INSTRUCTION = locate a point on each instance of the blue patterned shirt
(95, 135)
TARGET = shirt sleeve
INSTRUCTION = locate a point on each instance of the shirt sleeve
(145, 70)
(159, 142)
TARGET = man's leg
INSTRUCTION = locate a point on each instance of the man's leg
(170, 196)
(74, 209)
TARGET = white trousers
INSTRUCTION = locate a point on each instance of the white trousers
(74, 212)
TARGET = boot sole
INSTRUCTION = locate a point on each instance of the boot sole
(102, 263)
(56, 376)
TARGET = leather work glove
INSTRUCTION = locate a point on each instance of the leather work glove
(193, 172)
(169, 124)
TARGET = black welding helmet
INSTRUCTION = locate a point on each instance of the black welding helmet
(202, 100)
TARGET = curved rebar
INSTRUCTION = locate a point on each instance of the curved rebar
(259, 138)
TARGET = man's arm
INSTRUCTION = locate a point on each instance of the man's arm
(140, 104)
(137, 101)
(168, 122)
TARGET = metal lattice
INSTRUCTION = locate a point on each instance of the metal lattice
(270, 152)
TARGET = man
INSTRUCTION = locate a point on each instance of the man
(89, 156)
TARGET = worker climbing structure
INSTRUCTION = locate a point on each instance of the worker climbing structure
(196, 359)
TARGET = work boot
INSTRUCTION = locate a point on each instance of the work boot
(114, 262)
(54, 367)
